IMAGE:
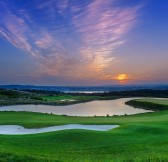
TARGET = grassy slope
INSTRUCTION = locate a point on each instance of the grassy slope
(140, 137)
(149, 104)
(76, 98)
(68, 97)
(157, 101)
(13, 97)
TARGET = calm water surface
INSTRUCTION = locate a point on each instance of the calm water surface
(98, 108)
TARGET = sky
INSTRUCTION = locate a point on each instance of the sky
(83, 42)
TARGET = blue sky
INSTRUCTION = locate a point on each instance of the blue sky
(83, 42)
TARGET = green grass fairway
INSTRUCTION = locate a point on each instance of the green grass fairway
(157, 101)
(140, 138)
(76, 98)
(69, 97)
(150, 104)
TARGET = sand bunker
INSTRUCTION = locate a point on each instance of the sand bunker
(18, 130)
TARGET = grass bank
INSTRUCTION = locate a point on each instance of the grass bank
(140, 138)
(17, 97)
(149, 104)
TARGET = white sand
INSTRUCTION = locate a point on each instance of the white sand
(18, 130)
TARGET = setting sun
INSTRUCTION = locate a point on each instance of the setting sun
(122, 77)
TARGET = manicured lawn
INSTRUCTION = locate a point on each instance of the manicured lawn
(67, 97)
(140, 138)
(78, 98)
(157, 101)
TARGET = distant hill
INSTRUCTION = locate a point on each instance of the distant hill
(87, 88)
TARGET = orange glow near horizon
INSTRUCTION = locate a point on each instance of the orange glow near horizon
(121, 77)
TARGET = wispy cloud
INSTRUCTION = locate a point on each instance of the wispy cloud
(102, 26)
(69, 38)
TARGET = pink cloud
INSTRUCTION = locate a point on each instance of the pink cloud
(102, 26)
(81, 47)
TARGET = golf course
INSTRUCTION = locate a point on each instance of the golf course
(138, 137)
(83, 81)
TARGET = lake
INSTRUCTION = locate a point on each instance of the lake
(98, 108)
